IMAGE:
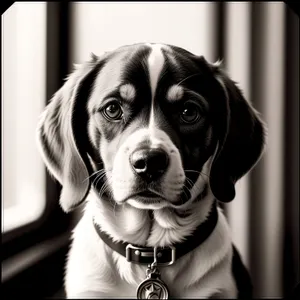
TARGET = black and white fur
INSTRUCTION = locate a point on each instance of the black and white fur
(89, 154)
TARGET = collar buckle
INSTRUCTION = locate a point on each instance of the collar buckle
(150, 252)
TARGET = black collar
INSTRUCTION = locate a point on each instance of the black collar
(167, 255)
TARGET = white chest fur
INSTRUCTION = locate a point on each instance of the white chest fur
(94, 270)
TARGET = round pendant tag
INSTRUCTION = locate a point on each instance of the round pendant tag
(152, 289)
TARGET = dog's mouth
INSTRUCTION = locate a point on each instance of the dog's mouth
(147, 199)
(148, 194)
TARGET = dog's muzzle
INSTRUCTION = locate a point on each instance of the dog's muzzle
(149, 163)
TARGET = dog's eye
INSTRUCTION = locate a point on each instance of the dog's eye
(190, 112)
(113, 111)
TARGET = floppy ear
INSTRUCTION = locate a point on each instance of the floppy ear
(61, 135)
(241, 143)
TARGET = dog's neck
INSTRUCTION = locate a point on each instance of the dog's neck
(160, 228)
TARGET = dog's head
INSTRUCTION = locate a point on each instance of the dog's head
(150, 125)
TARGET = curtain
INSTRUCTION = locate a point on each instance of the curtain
(260, 48)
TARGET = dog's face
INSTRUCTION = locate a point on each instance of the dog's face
(149, 125)
(150, 121)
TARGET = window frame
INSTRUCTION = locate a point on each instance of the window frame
(53, 224)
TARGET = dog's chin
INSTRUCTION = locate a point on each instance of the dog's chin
(148, 203)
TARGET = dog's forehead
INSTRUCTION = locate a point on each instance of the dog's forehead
(140, 67)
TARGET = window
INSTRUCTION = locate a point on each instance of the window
(23, 94)
(35, 231)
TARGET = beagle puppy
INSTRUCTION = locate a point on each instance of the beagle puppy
(151, 137)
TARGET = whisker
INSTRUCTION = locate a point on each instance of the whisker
(184, 193)
(100, 175)
(193, 185)
(98, 178)
(99, 171)
(198, 189)
(199, 172)
(103, 188)
(108, 190)
(188, 77)
(190, 182)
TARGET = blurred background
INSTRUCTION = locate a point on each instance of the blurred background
(259, 43)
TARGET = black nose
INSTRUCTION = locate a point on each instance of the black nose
(149, 163)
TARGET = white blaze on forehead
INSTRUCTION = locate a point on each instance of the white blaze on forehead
(175, 92)
(156, 62)
(127, 92)
(155, 65)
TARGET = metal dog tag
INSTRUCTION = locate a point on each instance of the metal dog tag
(152, 287)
